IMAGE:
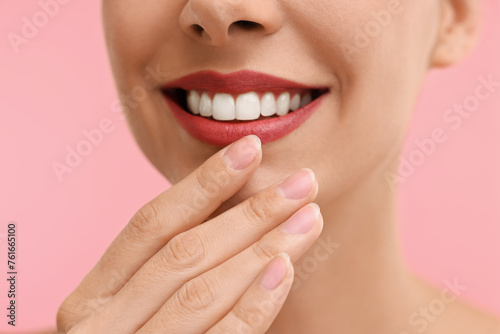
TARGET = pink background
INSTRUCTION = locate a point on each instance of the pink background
(60, 84)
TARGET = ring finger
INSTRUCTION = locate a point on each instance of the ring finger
(204, 300)
(206, 246)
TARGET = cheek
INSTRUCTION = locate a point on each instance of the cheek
(362, 128)
(358, 129)
(135, 30)
(136, 36)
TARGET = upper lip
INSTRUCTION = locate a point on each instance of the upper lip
(235, 83)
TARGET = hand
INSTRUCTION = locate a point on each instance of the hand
(170, 271)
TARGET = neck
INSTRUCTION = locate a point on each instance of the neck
(353, 279)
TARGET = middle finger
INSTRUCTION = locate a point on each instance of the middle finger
(198, 250)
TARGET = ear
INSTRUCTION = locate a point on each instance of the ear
(458, 31)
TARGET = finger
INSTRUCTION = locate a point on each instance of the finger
(181, 207)
(202, 248)
(260, 304)
(208, 297)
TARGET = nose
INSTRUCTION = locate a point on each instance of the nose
(215, 22)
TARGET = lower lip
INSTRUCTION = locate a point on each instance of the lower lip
(224, 133)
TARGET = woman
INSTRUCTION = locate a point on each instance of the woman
(310, 100)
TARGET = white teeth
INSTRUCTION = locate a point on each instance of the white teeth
(194, 102)
(283, 104)
(295, 102)
(247, 107)
(205, 105)
(223, 108)
(306, 99)
(268, 105)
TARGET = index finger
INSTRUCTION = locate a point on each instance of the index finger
(178, 209)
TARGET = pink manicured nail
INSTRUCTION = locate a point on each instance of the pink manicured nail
(298, 185)
(242, 153)
(275, 272)
(303, 220)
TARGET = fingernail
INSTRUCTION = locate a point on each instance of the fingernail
(303, 220)
(242, 153)
(275, 272)
(298, 185)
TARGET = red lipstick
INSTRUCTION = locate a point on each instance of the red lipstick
(222, 133)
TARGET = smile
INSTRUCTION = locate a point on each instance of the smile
(221, 108)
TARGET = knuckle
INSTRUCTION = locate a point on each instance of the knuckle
(63, 317)
(206, 183)
(183, 251)
(258, 209)
(147, 222)
(71, 311)
(197, 294)
(249, 316)
(265, 251)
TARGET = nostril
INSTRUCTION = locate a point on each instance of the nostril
(197, 28)
(247, 25)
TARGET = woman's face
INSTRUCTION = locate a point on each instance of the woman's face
(371, 57)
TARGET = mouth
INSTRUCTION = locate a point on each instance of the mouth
(221, 108)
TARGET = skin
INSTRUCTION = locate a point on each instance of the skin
(167, 272)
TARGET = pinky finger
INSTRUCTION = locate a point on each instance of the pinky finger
(260, 304)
